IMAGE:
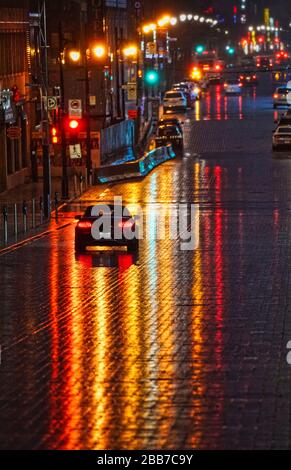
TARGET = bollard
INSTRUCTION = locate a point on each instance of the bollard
(41, 210)
(75, 185)
(24, 213)
(15, 220)
(5, 223)
(33, 214)
(56, 204)
(81, 184)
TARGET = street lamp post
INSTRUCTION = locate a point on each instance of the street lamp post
(65, 182)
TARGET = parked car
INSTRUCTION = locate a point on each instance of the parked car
(232, 87)
(174, 101)
(169, 134)
(105, 236)
(249, 78)
(171, 121)
(282, 137)
(281, 97)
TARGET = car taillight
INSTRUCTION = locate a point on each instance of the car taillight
(240, 84)
(241, 77)
(276, 96)
(225, 85)
(254, 76)
(84, 224)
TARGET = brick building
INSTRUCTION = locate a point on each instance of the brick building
(14, 108)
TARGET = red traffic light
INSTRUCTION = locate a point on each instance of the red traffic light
(74, 124)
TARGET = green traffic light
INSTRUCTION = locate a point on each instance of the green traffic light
(152, 77)
(231, 51)
(200, 49)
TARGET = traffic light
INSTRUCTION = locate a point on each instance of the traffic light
(15, 94)
(230, 50)
(152, 77)
(200, 49)
(55, 135)
(74, 124)
(73, 128)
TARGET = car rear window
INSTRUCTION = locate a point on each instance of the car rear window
(173, 95)
(284, 90)
(232, 82)
(167, 131)
(284, 130)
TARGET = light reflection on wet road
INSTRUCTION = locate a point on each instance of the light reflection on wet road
(163, 349)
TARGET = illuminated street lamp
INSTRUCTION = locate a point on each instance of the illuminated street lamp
(74, 55)
(99, 51)
(130, 51)
(164, 21)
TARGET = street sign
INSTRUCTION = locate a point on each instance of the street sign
(14, 133)
(75, 151)
(132, 113)
(131, 91)
(52, 103)
(75, 109)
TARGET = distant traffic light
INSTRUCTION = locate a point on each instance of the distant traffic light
(152, 77)
(74, 124)
(55, 135)
(230, 50)
(200, 49)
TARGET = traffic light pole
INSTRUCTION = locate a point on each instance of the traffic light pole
(45, 122)
(65, 182)
(88, 123)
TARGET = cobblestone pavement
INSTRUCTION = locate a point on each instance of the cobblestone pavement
(168, 349)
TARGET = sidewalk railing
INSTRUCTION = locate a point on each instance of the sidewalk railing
(17, 219)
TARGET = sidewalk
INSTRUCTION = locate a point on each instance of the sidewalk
(29, 191)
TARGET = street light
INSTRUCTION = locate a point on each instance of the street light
(130, 51)
(99, 51)
(74, 55)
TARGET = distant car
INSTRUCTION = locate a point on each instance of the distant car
(169, 134)
(281, 98)
(284, 120)
(248, 78)
(282, 137)
(174, 101)
(106, 235)
(232, 87)
(171, 121)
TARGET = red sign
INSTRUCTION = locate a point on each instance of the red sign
(132, 113)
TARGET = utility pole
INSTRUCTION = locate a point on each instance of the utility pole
(43, 46)
(65, 182)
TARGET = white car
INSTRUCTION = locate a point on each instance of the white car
(282, 137)
(232, 87)
(282, 97)
(174, 101)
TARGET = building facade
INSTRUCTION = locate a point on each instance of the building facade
(14, 103)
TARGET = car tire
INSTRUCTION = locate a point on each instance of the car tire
(274, 148)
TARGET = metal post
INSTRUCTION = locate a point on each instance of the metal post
(24, 213)
(41, 210)
(45, 122)
(33, 214)
(88, 123)
(15, 220)
(5, 222)
(65, 181)
(56, 204)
